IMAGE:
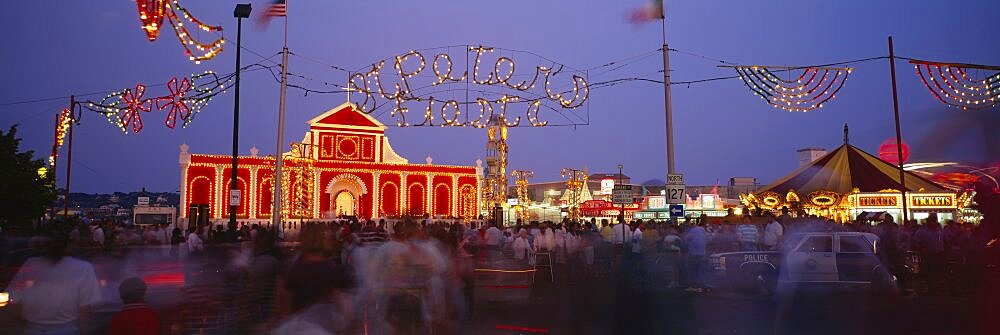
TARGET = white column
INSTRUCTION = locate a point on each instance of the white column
(219, 185)
(403, 188)
(184, 160)
(454, 195)
(430, 194)
(376, 189)
(252, 196)
(316, 192)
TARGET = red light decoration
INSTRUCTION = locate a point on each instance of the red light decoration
(808, 91)
(953, 86)
(151, 14)
(186, 99)
(887, 152)
(134, 104)
(175, 101)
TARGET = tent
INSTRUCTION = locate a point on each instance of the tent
(847, 168)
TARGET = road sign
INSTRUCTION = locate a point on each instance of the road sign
(675, 195)
(234, 197)
(143, 201)
(676, 211)
(622, 195)
(675, 179)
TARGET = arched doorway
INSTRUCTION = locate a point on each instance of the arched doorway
(345, 192)
(442, 200)
(344, 204)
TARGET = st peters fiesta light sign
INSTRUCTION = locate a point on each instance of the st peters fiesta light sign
(497, 91)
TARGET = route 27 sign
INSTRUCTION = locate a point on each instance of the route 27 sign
(675, 189)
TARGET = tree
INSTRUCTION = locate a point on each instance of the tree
(25, 192)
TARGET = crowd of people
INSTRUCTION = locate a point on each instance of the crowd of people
(417, 275)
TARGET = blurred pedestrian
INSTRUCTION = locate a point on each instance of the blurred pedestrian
(194, 241)
(54, 292)
(929, 242)
(136, 318)
(695, 241)
(773, 233)
(747, 234)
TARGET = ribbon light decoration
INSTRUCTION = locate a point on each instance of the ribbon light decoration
(497, 90)
(186, 99)
(952, 85)
(810, 90)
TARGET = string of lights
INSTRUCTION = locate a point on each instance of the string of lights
(374, 92)
(152, 13)
(952, 85)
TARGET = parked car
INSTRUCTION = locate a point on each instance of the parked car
(820, 261)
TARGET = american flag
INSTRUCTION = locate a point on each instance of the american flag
(276, 9)
(650, 12)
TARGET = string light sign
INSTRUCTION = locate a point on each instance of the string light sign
(952, 84)
(184, 100)
(152, 13)
(487, 84)
(812, 88)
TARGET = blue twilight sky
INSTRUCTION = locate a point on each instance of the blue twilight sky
(57, 48)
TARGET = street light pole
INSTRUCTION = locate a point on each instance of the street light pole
(241, 12)
(621, 181)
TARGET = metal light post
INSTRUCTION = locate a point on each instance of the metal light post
(621, 181)
(241, 12)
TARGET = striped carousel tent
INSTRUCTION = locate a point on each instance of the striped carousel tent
(847, 168)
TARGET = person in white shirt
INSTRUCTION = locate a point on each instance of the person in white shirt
(636, 240)
(98, 236)
(620, 233)
(194, 241)
(545, 241)
(493, 236)
(521, 245)
(54, 292)
(772, 234)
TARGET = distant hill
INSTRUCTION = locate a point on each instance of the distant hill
(123, 200)
(654, 182)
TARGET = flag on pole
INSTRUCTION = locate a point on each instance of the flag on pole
(650, 12)
(276, 9)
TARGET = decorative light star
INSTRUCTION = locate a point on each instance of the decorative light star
(134, 103)
(176, 101)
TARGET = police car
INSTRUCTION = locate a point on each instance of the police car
(814, 261)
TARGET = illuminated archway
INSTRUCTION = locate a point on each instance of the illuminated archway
(351, 184)
(442, 199)
(201, 193)
(265, 197)
(415, 202)
(243, 209)
(345, 204)
(389, 202)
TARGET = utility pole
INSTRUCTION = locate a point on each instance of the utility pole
(899, 136)
(278, 162)
(69, 153)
